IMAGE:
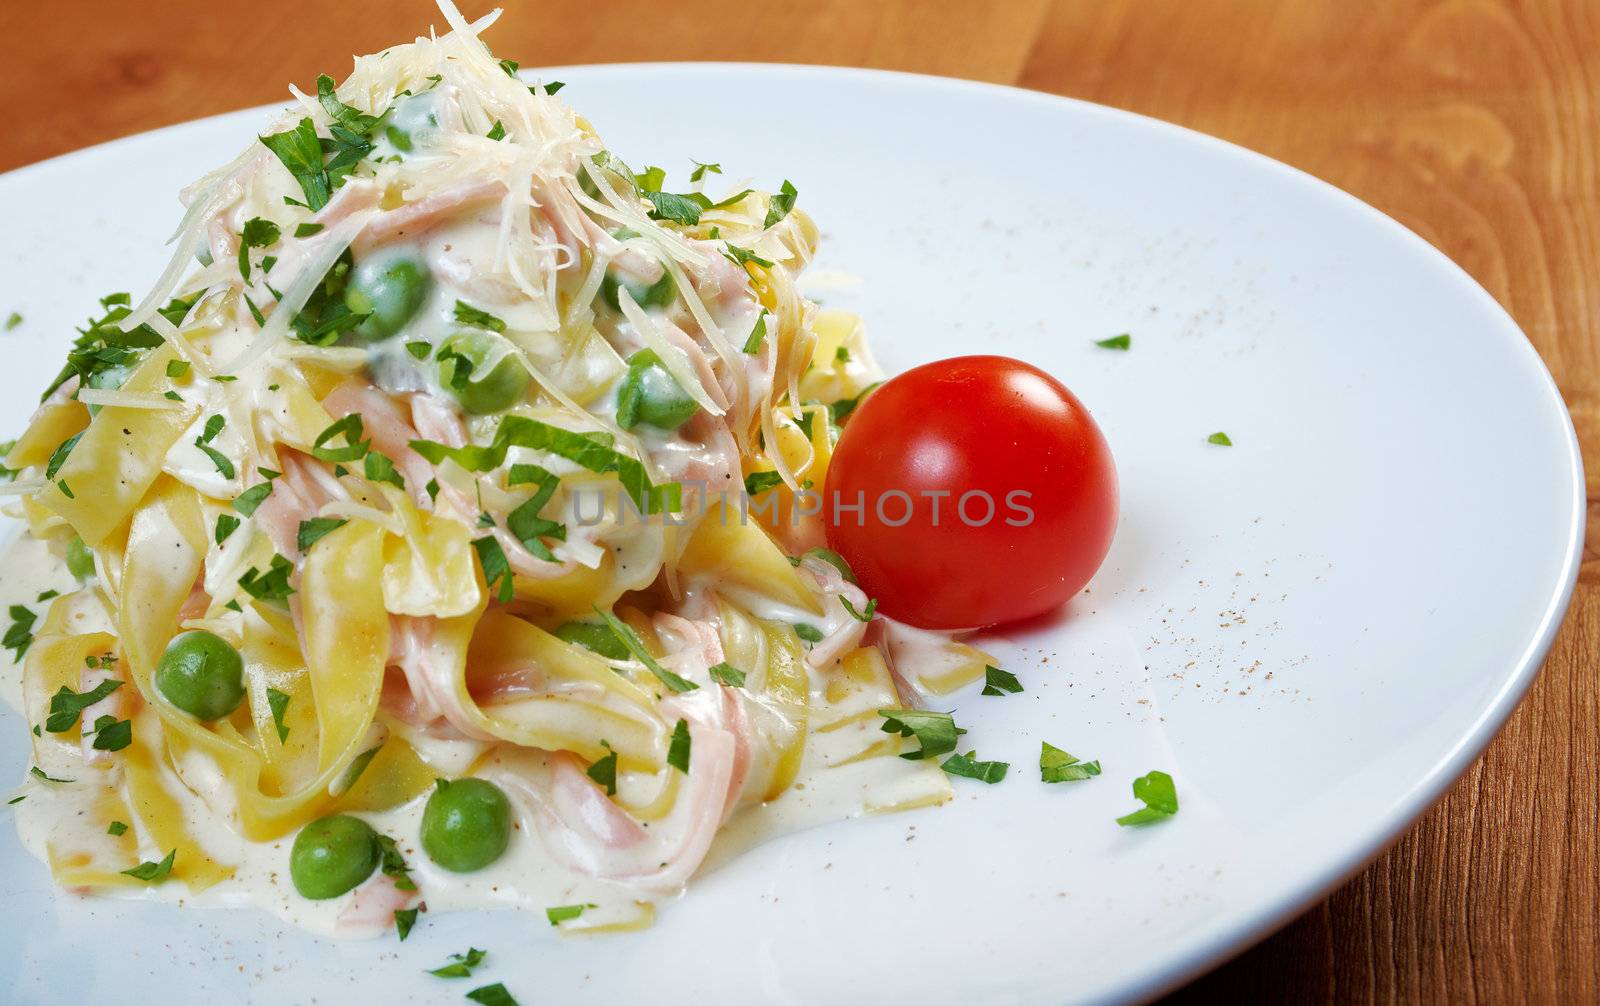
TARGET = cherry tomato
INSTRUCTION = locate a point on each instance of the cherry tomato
(988, 493)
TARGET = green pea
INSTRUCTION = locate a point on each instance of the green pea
(462, 359)
(466, 824)
(389, 291)
(650, 394)
(80, 560)
(202, 675)
(333, 855)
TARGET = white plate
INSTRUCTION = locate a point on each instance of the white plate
(1314, 631)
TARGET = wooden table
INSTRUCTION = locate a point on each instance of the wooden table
(1474, 122)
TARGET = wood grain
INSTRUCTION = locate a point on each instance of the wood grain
(1474, 122)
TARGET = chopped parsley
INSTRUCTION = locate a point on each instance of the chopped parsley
(350, 428)
(325, 315)
(214, 426)
(782, 202)
(394, 865)
(278, 703)
(58, 457)
(379, 468)
(565, 913)
(593, 451)
(1220, 439)
(604, 770)
(153, 873)
(969, 767)
(671, 206)
(866, 614)
(40, 773)
(176, 369)
(833, 559)
(936, 732)
(758, 334)
(20, 634)
(306, 230)
(1160, 799)
(419, 350)
(227, 523)
(591, 636)
(404, 919)
(998, 682)
(744, 257)
(757, 483)
(13, 320)
(700, 170)
(678, 750)
(112, 734)
(273, 585)
(66, 490)
(1122, 341)
(492, 995)
(117, 828)
(460, 965)
(625, 635)
(300, 150)
(466, 314)
(497, 131)
(257, 233)
(247, 501)
(809, 633)
(1055, 765)
(496, 567)
(727, 674)
(315, 529)
(524, 521)
(103, 347)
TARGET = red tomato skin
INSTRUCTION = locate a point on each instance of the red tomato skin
(969, 424)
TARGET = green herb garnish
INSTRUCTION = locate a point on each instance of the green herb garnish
(678, 749)
(625, 635)
(727, 674)
(936, 732)
(153, 873)
(315, 529)
(998, 682)
(968, 767)
(466, 314)
(564, 913)
(1122, 341)
(278, 703)
(1055, 765)
(1160, 798)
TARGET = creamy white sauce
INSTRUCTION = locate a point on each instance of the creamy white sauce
(527, 876)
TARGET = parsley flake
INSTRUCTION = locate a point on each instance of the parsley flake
(604, 770)
(492, 995)
(678, 750)
(969, 767)
(466, 314)
(1220, 439)
(278, 703)
(998, 682)
(625, 635)
(153, 873)
(727, 674)
(936, 732)
(1160, 799)
(1055, 765)
(1122, 341)
(460, 965)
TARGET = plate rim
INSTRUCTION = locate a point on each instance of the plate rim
(1239, 929)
